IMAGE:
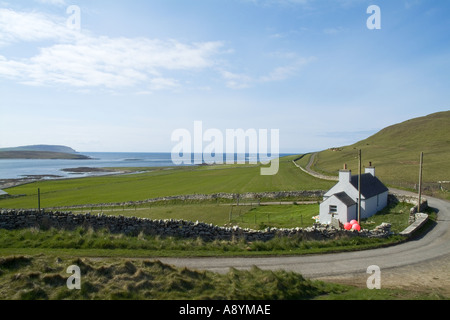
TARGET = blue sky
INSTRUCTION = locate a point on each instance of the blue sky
(138, 70)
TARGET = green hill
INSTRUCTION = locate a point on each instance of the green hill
(395, 152)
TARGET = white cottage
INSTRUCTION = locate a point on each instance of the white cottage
(3, 193)
(341, 201)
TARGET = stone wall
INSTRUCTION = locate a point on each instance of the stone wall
(419, 220)
(205, 197)
(396, 198)
(23, 219)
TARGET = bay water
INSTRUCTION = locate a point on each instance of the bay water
(50, 169)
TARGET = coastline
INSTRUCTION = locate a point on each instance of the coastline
(16, 172)
(77, 172)
(100, 164)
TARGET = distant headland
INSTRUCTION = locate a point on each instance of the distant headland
(41, 152)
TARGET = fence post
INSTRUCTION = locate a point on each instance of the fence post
(39, 200)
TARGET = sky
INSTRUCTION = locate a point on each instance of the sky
(122, 76)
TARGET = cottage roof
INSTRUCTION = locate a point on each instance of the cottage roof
(2, 192)
(370, 185)
(345, 199)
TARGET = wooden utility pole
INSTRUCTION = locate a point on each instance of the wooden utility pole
(420, 182)
(359, 186)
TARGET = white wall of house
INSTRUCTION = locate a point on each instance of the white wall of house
(344, 213)
(371, 206)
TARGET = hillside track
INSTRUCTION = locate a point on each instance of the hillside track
(313, 173)
(420, 263)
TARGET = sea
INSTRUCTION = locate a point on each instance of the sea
(53, 169)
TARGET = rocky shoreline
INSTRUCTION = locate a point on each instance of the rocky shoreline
(11, 183)
(26, 179)
(88, 170)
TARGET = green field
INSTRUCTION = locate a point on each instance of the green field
(280, 216)
(162, 182)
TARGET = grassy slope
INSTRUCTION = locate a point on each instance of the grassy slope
(44, 278)
(395, 151)
(160, 182)
(36, 278)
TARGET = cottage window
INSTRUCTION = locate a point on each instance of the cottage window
(333, 209)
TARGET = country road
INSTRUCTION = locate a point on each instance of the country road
(419, 263)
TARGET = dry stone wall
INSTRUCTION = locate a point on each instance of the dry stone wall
(24, 219)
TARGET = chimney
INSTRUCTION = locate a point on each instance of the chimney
(371, 169)
(345, 175)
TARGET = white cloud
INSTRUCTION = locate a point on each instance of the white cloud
(31, 27)
(163, 83)
(84, 60)
(242, 81)
(237, 81)
(285, 72)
